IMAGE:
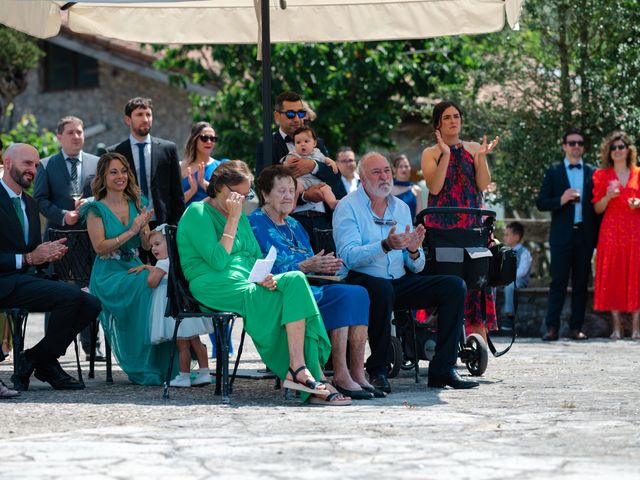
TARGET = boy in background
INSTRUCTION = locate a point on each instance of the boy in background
(513, 235)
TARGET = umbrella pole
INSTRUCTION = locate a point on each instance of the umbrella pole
(267, 139)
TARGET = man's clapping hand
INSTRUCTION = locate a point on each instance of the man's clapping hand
(49, 252)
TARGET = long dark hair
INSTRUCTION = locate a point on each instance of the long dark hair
(190, 147)
(99, 183)
(438, 110)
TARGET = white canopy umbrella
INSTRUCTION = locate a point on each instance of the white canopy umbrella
(240, 21)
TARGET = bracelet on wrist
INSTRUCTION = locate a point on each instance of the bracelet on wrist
(412, 252)
(385, 246)
(29, 259)
(228, 236)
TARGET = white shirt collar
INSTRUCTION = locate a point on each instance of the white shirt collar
(135, 141)
(66, 157)
(11, 193)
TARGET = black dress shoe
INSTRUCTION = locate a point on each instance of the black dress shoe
(354, 394)
(376, 393)
(54, 375)
(24, 368)
(452, 380)
(380, 382)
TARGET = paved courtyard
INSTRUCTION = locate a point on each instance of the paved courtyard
(563, 410)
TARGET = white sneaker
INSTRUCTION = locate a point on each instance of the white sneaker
(181, 381)
(201, 380)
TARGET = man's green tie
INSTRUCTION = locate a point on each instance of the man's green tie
(17, 204)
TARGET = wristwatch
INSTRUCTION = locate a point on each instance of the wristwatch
(385, 246)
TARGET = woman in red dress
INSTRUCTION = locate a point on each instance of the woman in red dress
(456, 173)
(616, 193)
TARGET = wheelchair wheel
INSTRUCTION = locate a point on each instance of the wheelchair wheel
(408, 364)
(478, 355)
(396, 359)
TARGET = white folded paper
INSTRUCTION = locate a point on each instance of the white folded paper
(263, 267)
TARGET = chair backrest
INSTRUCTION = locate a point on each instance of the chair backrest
(323, 240)
(75, 266)
(179, 298)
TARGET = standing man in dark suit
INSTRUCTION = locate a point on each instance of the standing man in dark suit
(566, 192)
(289, 115)
(61, 177)
(21, 250)
(154, 162)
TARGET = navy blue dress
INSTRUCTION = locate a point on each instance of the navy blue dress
(407, 196)
(340, 305)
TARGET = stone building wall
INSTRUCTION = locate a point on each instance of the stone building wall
(105, 105)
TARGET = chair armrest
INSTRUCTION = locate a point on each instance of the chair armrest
(319, 280)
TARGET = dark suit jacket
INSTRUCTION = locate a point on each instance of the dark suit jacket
(52, 188)
(553, 186)
(12, 240)
(166, 187)
(325, 173)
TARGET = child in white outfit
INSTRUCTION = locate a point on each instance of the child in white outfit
(306, 141)
(161, 327)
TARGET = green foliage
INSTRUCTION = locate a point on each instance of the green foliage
(359, 90)
(574, 63)
(18, 55)
(27, 131)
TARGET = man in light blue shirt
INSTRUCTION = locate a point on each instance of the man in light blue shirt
(374, 237)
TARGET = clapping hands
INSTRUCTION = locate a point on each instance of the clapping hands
(49, 251)
(411, 240)
(141, 220)
(486, 148)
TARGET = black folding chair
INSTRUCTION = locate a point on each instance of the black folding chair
(181, 304)
(75, 267)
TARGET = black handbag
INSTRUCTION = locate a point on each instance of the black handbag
(503, 265)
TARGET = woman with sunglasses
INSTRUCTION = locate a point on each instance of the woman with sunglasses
(616, 193)
(198, 164)
(344, 308)
(280, 314)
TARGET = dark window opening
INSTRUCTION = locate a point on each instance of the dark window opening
(68, 70)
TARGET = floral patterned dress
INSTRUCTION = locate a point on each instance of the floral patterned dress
(617, 284)
(460, 190)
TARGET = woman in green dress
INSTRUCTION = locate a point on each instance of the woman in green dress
(118, 226)
(217, 252)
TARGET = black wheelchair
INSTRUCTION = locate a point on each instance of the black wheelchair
(463, 252)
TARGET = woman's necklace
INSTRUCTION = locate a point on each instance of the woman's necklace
(623, 177)
(281, 232)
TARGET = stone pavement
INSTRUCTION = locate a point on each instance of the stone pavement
(564, 410)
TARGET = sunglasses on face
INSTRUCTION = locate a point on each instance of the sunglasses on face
(613, 148)
(291, 114)
(208, 138)
(574, 143)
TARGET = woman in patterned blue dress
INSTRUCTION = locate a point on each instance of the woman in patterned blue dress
(344, 308)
